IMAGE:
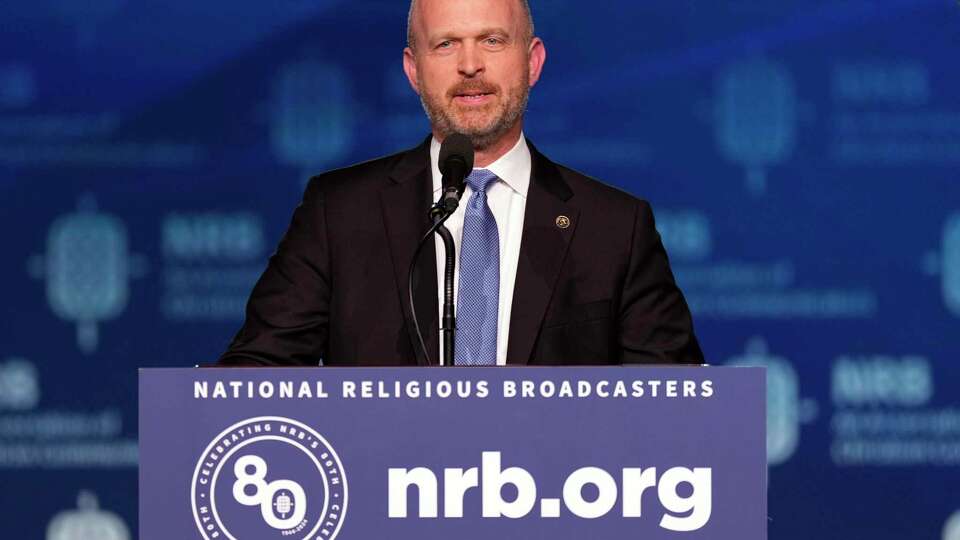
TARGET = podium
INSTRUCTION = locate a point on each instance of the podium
(441, 453)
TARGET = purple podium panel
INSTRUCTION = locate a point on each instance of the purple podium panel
(466, 453)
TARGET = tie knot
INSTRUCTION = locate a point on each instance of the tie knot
(480, 179)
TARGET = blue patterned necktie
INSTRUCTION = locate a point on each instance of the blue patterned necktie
(479, 289)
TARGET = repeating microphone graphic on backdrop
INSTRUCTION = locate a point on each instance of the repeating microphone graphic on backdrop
(951, 264)
(87, 268)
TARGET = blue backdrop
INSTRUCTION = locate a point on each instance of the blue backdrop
(801, 158)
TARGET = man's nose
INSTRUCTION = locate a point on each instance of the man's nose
(471, 60)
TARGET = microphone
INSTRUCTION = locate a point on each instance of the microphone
(456, 162)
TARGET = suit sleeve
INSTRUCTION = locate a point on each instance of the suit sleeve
(655, 325)
(287, 316)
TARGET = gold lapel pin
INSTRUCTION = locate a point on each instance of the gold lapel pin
(563, 222)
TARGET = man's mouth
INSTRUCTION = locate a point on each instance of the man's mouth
(472, 97)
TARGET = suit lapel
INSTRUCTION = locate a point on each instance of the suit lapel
(543, 247)
(405, 202)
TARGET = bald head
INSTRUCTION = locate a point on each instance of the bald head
(411, 20)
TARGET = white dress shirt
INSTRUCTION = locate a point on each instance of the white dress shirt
(507, 198)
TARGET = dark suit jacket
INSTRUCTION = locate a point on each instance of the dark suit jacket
(597, 292)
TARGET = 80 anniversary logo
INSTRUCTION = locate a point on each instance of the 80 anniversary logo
(269, 477)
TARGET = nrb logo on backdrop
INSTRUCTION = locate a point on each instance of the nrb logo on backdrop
(270, 477)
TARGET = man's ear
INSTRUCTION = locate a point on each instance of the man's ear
(410, 68)
(537, 53)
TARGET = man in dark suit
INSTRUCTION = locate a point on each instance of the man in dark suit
(554, 267)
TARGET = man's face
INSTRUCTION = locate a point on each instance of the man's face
(473, 66)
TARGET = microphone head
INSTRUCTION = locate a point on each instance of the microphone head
(456, 152)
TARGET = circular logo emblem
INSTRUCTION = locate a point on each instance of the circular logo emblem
(563, 222)
(269, 477)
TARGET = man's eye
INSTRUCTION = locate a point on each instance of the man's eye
(493, 41)
(444, 44)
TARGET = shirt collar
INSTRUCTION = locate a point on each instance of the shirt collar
(513, 168)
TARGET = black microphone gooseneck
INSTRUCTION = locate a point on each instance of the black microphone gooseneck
(456, 162)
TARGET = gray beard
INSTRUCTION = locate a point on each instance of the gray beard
(481, 139)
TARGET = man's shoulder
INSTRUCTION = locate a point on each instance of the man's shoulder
(598, 194)
(361, 177)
